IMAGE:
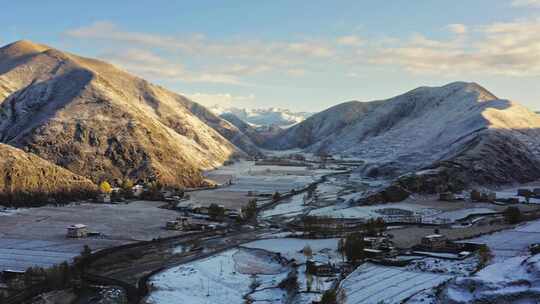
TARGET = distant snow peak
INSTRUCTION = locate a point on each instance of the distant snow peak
(263, 116)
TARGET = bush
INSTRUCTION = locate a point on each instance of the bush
(216, 212)
(249, 212)
(329, 297)
(512, 215)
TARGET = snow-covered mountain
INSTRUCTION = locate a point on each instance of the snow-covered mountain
(459, 124)
(99, 121)
(264, 117)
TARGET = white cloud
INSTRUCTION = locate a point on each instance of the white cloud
(224, 61)
(350, 40)
(222, 100)
(148, 64)
(457, 28)
(526, 3)
(511, 48)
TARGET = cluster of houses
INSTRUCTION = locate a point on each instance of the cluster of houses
(439, 244)
(475, 196)
(486, 196)
(396, 215)
(186, 224)
(200, 211)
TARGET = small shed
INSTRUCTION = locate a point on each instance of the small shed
(447, 196)
(374, 253)
(320, 269)
(105, 198)
(77, 231)
(524, 192)
(434, 241)
(137, 190)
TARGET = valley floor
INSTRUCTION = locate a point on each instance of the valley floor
(255, 269)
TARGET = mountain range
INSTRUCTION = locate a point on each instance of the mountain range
(263, 117)
(82, 121)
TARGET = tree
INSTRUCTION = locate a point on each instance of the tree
(341, 296)
(249, 212)
(216, 212)
(485, 255)
(86, 251)
(329, 297)
(341, 248)
(308, 252)
(512, 215)
(309, 281)
(354, 247)
(105, 187)
(127, 188)
(153, 191)
(375, 226)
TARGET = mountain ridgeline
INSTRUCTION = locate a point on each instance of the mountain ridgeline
(81, 121)
(449, 137)
(102, 123)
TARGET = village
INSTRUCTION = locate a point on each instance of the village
(289, 226)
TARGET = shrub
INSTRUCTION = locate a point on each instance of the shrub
(512, 215)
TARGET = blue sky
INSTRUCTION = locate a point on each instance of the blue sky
(303, 55)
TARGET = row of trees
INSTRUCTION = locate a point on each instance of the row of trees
(352, 247)
(38, 198)
(57, 277)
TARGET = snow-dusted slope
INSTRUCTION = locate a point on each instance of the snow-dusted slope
(99, 121)
(458, 122)
(516, 280)
(264, 117)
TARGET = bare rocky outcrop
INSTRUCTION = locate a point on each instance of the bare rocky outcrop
(101, 122)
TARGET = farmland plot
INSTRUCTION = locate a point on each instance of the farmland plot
(373, 284)
(224, 278)
(512, 242)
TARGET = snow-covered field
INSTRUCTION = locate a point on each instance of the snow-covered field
(514, 280)
(371, 283)
(324, 250)
(452, 216)
(513, 242)
(512, 193)
(513, 275)
(223, 278)
(427, 215)
(292, 207)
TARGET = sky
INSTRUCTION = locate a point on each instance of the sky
(300, 55)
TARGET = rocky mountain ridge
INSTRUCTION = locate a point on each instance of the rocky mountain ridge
(460, 129)
(99, 121)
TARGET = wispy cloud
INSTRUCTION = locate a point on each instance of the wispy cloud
(222, 100)
(457, 28)
(231, 59)
(148, 64)
(511, 49)
(526, 3)
(350, 40)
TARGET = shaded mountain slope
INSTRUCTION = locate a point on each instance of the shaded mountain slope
(25, 173)
(101, 122)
